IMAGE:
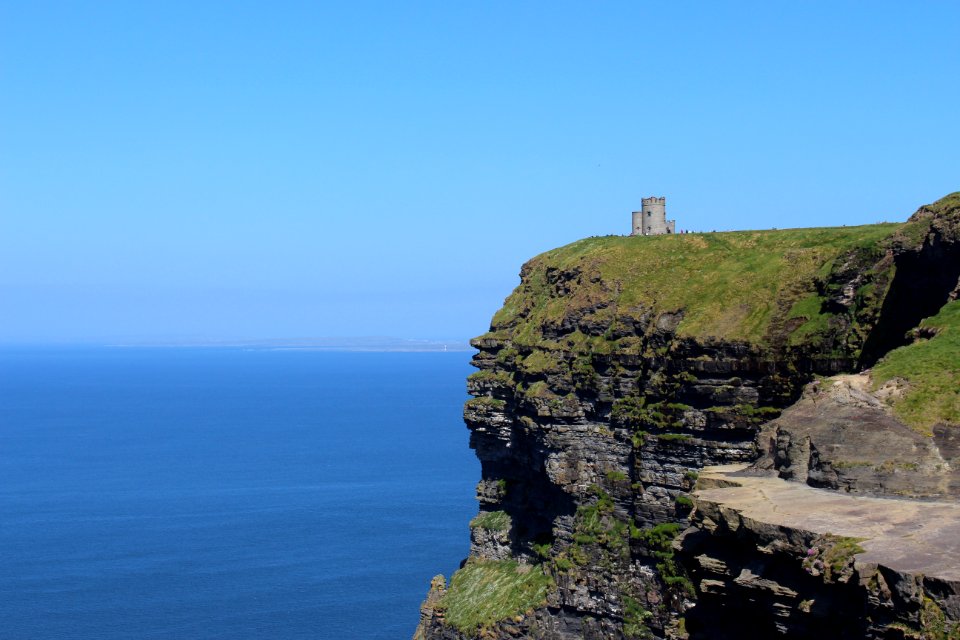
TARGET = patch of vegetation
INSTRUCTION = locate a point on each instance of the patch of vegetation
(815, 319)
(684, 502)
(746, 414)
(485, 403)
(578, 555)
(659, 540)
(508, 356)
(616, 476)
(674, 437)
(832, 555)
(486, 591)
(487, 375)
(634, 412)
(492, 520)
(635, 618)
(539, 389)
(931, 368)
(891, 466)
(584, 375)
(841, 551)
(756, 415)
(542, 361)
(934, 624)
(597, 524)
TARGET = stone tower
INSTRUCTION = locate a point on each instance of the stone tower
(651, 220)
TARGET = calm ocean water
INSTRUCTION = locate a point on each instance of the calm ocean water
(191, 493)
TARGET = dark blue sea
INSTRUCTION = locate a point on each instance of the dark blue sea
(227, 493)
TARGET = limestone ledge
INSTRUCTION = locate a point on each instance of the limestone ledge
(804, 561)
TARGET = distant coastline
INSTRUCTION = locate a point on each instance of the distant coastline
(362, 343)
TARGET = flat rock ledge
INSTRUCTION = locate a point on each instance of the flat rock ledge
(801, 562)
(908, 536)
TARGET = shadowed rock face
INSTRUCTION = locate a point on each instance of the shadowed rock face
(594, 410)
(926, 278)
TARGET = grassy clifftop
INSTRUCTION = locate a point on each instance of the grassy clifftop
(766, 288)
(729, 286)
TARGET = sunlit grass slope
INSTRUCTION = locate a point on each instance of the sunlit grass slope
(931, 368)
(485, 591)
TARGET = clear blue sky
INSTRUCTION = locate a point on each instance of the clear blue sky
(268, 170)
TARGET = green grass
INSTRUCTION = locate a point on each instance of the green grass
(659, 540)
(931, 368)
(539, 389)
(635, 618)
(485, 403)
(542, 361)
(616, 476)
(809, 310)
(659, 537)
(493, 520)
(634, 412)
(486, 591)
(598, 524)
(841, 552)
(486, 375)
(729, 285)
(836, 553)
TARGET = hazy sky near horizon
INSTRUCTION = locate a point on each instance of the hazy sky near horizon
(290, 169)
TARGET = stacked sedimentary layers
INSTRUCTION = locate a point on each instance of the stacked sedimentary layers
(621, 367)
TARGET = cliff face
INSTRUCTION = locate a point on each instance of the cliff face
(621, 367)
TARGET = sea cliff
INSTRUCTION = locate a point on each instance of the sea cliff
(621, 368)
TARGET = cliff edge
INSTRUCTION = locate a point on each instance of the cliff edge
(620, 367)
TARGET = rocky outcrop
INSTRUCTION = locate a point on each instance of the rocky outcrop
(621, 367)
(841, 435)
